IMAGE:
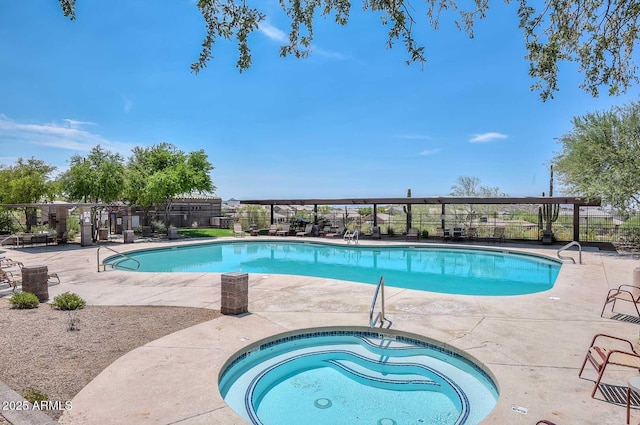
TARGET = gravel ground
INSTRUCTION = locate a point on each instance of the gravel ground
(37, 349)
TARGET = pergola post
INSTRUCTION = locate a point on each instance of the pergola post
(576, 222)
(272, 221)
(375, 215)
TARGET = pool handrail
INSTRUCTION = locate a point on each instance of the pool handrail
(567, 246)
(104, 266)
(380, 316)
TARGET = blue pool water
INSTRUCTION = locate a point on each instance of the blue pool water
(355, 377)
(450, 270)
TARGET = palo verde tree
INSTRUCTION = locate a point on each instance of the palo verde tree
(600, 156)
(470, 187)
(600, 36)
(156, 174)
(96, 178)
(27, 182)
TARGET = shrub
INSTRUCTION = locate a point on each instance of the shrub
(390, 231)
(425, 234)
(33, 395)
(68, 301)
(157, 226)
(24, 300)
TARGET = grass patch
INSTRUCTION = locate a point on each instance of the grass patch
(205, 233)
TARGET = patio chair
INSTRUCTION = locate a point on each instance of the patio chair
(285, 230)
(375, 233)
(53, 279)
(604, 350)
(307, 230)
(620, 294)
(412, 234)
(273, 229)
(237, 230)
(457, 233)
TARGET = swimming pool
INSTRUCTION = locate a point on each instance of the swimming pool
(355, 376)
(446, 270)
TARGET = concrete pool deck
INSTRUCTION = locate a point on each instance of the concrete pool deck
(533, 344)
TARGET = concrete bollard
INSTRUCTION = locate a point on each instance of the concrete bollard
(234, 293)
(35, 279)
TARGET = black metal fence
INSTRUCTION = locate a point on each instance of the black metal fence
(519, 222)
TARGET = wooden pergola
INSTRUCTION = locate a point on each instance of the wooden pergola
(576, 202)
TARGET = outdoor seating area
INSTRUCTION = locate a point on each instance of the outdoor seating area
(22, 240)
(617, 353)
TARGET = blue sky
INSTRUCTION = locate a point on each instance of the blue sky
(353, 120)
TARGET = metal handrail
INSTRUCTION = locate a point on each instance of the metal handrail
(567, 246)
(104, 266)
(351, 236)
(380, 316)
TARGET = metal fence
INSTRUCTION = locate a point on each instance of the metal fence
(520, 222)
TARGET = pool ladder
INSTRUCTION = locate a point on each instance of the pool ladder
(104, 266)
(380, 317)
(567, 246)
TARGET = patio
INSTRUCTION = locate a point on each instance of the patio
(533, 344)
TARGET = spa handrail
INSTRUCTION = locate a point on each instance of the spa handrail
(380, 316)
(567, 246)
(104, 266)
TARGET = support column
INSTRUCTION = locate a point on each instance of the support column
(234, 295)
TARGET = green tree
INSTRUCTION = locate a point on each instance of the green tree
(98, 177)
(600, 157)
(156, 174)
(599, 36)
(27, 182)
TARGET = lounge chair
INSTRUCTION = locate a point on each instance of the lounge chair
(307, 230)
(273, 229)
(351, 236)
(498, 235)
(604, 350)
(324, 231)
(10, 277)
(7, 263)
(412, 234)
(284, 231)
(335, 233)
(620, 294)
(237, 230)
